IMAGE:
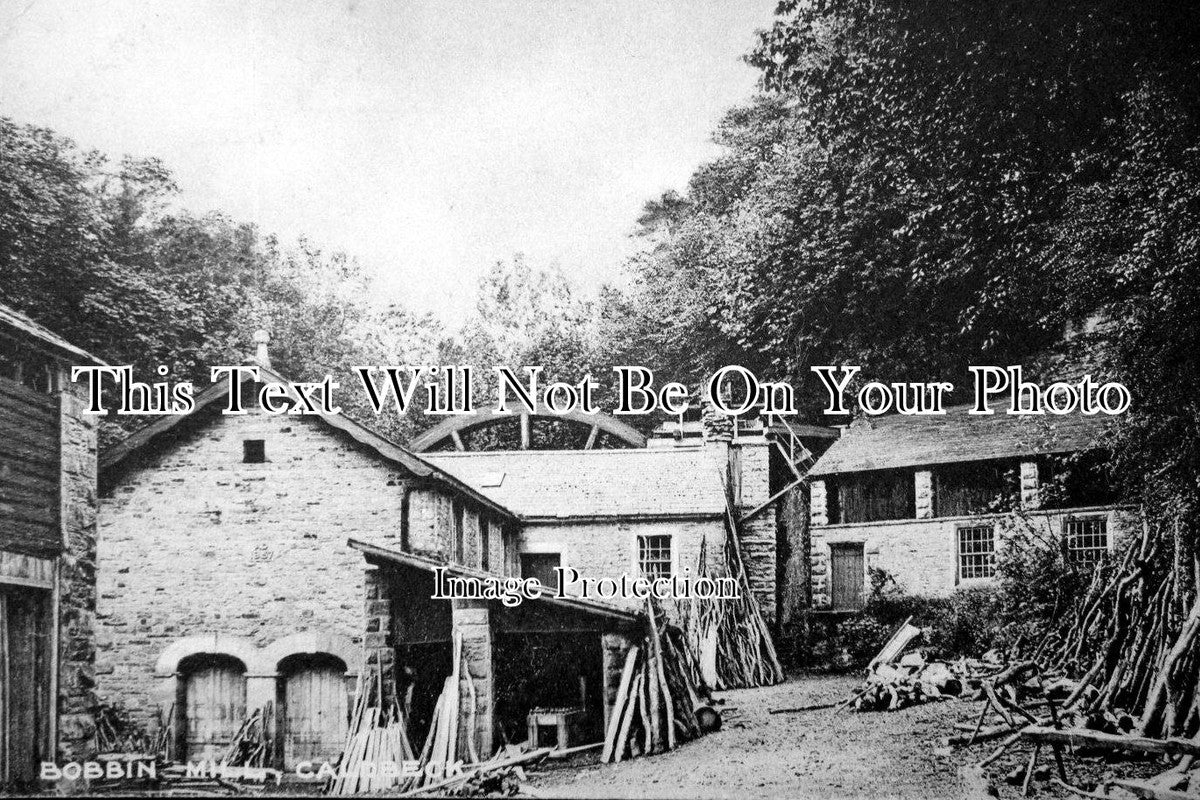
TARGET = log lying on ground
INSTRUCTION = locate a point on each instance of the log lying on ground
(896, 680)
(1082, 737)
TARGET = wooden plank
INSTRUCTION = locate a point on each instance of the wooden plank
(42, 414)
(627, 717)
(20, 481)
(41, 470)
(15, 394)
(40, 499)
(1081, 737)
(614, 720)
(846, 572)
(24, 439)
(28, 538)
(6, 773)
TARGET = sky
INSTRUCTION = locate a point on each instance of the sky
(427, 139)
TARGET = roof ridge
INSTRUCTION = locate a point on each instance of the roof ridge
(364, 434)
(618, 450)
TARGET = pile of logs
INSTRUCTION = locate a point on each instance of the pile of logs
(657, 701)
(730, 637)
(896, 679)
(1131, 648)
(1135, 635)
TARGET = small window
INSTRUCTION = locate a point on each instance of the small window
(654, 556)
(1086, 539)
(542, 566)
(976, 552)
(485, 545)
(254, 451)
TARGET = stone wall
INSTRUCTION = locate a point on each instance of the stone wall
(608, 549)
(472, 620)
(922, 554)
(194, 542)
(758, 536)
(77, 581)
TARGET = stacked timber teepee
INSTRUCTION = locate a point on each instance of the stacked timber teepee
(730, 637)
(656, 701)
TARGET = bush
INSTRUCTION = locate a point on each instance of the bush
(1036, 584)
(967, 623)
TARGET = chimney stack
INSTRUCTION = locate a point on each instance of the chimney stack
(718, 427)
(261, 356)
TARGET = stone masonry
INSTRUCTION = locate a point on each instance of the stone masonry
(195, 542)
(77, 581)
(921, 553)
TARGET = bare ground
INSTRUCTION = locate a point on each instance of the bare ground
(818, 754)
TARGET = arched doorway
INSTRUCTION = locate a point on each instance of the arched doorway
(315, 707)
(213, 699)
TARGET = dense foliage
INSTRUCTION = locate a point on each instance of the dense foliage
(928, 184)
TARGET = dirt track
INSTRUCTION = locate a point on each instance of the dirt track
(817, 754)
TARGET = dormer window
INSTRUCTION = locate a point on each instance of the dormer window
(254, 451)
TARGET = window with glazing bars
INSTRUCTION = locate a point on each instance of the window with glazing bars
(654, 556)
(976, 552)
(1086, 539)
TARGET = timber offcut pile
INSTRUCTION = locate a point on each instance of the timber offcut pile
(657, 705)
(897, 679)
(377, 744)
(378, 756)
(730, 637)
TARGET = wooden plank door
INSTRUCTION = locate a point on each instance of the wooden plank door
(315, 712)
(24, 684)
(215, 706)
(846, 568)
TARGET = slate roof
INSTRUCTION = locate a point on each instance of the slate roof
(896, 441)
(562, 484)
(164, 429)
(14, 320)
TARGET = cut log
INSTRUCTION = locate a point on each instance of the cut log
(1082, 737)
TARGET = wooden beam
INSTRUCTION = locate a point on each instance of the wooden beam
(769, 502)
(1150, 791)
(1082, 737)
(591, 440)
(457, 439)
(526, 431)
